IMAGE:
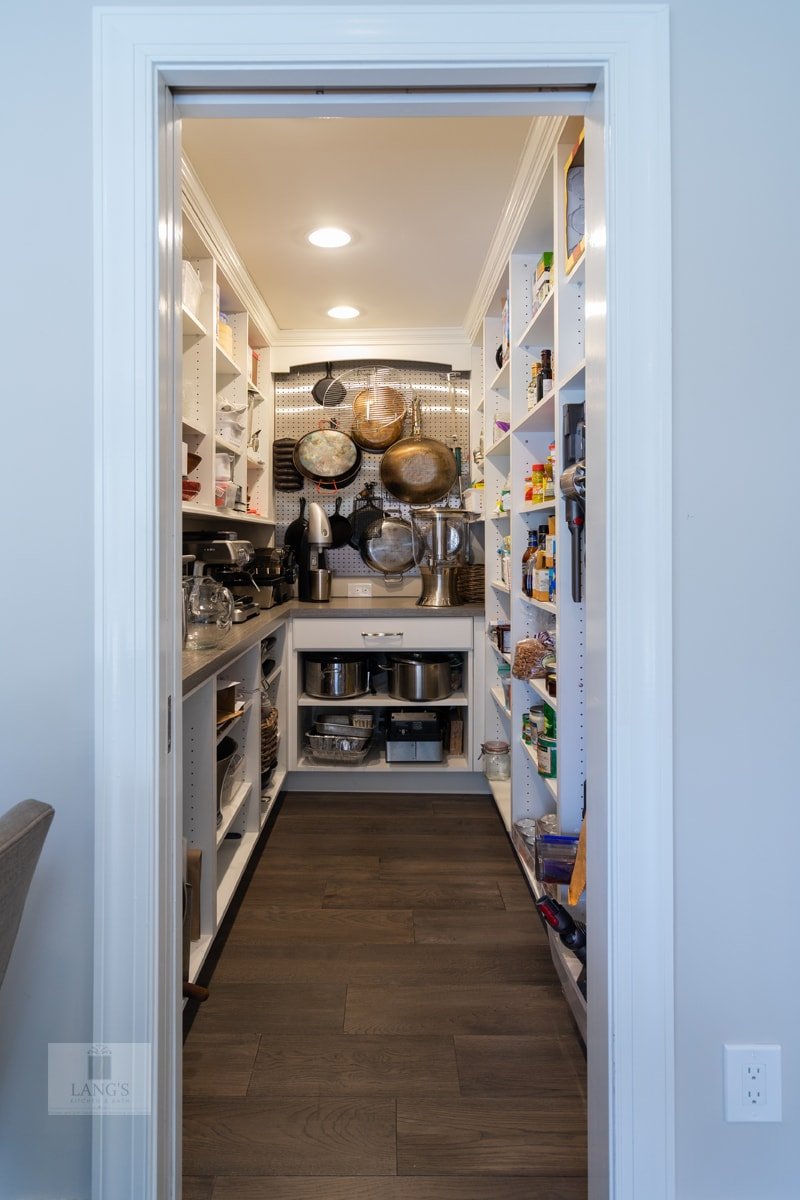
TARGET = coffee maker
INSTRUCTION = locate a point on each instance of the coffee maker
(313, 576)
(226, 558)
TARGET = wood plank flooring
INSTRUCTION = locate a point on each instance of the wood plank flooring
(385, 1022)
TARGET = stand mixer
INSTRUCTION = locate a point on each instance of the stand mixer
(439, 538)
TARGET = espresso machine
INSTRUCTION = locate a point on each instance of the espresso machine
(226, 558)
(439, 540)
(313, 576)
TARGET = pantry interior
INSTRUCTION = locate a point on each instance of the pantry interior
(510, 387)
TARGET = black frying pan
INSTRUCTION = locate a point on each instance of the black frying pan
(296, 528)
(341, 529)
(328, 390)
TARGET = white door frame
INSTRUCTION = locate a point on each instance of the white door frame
(140, 54)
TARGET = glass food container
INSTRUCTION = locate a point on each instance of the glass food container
(496, 760)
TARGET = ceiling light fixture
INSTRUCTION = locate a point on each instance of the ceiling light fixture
(343, 312)
(329, 238)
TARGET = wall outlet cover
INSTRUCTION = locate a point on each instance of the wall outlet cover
(359, 589)
(753, 1083)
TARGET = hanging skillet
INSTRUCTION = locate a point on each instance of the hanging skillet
(341, 529)
(328, 391)
(365, 512)
(296, 528)
(327, 456)
(417, 469)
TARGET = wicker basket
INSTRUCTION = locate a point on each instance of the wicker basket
(269, 737)
(470, 583)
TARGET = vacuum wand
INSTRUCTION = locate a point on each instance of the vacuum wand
(573, 489)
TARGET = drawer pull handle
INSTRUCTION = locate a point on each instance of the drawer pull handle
(382, 635)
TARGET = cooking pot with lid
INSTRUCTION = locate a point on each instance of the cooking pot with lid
(338, 676)
(422, 677)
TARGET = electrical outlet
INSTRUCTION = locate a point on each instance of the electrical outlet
(752, 1083)
(359, 589)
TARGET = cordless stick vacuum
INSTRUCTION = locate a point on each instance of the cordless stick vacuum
(572, 934)
(573, 489)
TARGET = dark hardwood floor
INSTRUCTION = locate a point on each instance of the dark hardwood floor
(385, 1022)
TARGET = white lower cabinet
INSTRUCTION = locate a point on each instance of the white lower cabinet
(376, 637)
(226, 803)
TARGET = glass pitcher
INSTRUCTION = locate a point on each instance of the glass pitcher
(209, 613)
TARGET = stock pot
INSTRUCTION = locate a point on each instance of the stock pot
(336, 676)
(422, 677)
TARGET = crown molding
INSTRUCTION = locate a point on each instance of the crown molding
(534, 162)
(207, 222)
(427, 335)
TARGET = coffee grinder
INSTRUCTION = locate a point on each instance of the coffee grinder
(439, 537)
(313, 576)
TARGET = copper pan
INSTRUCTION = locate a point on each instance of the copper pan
(417, 469)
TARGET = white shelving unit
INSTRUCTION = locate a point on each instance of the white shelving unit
(557, 324)
(217, 385)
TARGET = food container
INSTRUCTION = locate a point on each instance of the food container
(336, 676)
(225, 336)
(546, 756)
(420, 677)
(191, 288)
(190, 488)
(223, 466)
(496, 760)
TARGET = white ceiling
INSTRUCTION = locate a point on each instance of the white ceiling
(421, 196)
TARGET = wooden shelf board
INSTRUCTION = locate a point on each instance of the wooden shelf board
(539, 419)
(501, 447)
(501, 791)
(500, 383)
(381, 700)
(544, 605)
(232, 809)
(232, 859)
(225, 514)
(537, 685)
(545, 506)
(192, 328)
(539, 330)
(226, 367)
(575, 380)
(194, 427)
(375, 762)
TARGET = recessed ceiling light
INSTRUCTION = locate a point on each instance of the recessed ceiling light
(343, 312)
(329, 238)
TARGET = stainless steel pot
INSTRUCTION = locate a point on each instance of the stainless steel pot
(336, 676)
(420, 677)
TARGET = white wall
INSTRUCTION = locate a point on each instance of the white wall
(735, 188)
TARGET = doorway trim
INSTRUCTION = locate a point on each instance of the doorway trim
(140, 56)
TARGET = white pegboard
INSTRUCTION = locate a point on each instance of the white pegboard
(445, 416)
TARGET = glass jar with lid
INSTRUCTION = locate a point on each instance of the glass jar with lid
(496, 760)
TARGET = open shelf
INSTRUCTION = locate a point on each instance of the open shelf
(574, 380)
(194, 427)
(375, 762)
(381, 699)
(224, 729)
(226, 367)
(505, 657)
(577, 276)
(499, 586)
(231, 810)
(537, 685)
(224, 514)
(232, 859)
(540, 418)
(538, 332)
(499, 699)
(198, 951)
(500, 383)
(501, 447)
(192, 328)
(231, 447)
(544, 605)
(545, 506)
(501, 791)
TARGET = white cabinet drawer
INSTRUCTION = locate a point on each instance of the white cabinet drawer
(383, 633)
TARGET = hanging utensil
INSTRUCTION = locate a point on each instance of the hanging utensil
(295, 530)
(379, 414)
(387, 546)
(328, 391)
(341, 529)
(365, 512)
(326, 455)
(417, 469)
(285, 475)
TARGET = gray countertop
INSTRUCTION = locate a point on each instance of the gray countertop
(200, 665)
